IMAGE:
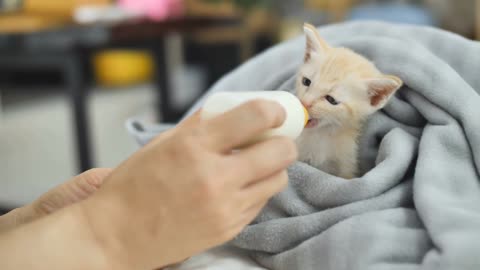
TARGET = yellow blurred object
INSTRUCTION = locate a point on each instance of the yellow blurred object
(306, 115)
(114, 68)
(60, 8)
(37, 15)
(19, 23)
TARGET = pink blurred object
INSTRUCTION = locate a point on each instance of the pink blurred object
(157, 10)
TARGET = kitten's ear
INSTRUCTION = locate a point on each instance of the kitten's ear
(381, 89)
(315, 43)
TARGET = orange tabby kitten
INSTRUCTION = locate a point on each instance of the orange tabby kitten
(340, 89)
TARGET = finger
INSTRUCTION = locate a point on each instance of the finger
(250, 213)
(262, 191)
(261, 160)
(238, 126)
(258, 196)
(247, 217)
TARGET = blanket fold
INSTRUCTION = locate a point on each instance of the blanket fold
(417, 204)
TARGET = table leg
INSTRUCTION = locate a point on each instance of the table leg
(477, 19)
(78, 95)
(165, 111)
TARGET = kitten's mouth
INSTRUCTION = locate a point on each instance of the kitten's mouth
(311, 123)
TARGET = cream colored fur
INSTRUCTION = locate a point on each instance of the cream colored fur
(360, 90)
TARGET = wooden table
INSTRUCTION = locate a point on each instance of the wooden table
(65, 49)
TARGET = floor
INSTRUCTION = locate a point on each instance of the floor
(36, 146)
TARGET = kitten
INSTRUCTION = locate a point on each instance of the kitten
(340, 89)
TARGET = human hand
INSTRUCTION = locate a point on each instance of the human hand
(187, 191)
(75, 190)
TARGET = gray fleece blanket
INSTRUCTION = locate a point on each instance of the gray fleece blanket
(417, 205)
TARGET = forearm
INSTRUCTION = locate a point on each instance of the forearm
(17, 217)
(59, 241)
(9, 220)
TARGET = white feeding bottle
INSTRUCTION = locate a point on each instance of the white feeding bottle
(296, 115)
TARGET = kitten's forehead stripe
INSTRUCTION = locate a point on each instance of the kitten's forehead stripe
(342, 62)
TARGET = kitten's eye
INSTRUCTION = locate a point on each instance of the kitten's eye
(306, 81)
(331, 100)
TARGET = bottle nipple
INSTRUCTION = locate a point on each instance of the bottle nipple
(307, 116)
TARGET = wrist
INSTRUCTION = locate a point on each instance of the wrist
(16, 217)
(90, 245)
(61, 240)
(123, 235)
(9, 220)
(101, 231)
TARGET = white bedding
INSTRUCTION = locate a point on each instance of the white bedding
(222, 258)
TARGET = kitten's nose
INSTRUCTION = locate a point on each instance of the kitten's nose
(307, 105)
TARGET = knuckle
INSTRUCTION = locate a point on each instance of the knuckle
(196, 132)
(250, 163)
(175, 149)
(197, 137)
(208, 187)
(188, 141)
(185, 149)
(223, 214)
(225, 174)
(207, 178)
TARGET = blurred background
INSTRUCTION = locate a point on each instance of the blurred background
(73, 71)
